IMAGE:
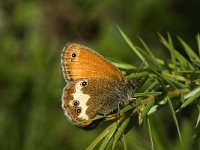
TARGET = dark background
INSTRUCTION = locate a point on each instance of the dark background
(32, 35)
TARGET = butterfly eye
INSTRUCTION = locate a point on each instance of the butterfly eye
(76, 103)
(84, 83)
(73, 55)
(78, 110)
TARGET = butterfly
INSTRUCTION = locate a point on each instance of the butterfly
(94, 86)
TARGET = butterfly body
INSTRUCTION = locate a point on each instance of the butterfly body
(94, 86)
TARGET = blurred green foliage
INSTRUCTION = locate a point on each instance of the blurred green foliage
(32, 35)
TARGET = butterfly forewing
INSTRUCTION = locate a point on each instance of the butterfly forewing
(79, 61)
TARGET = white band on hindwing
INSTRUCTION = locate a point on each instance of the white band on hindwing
(82, 98)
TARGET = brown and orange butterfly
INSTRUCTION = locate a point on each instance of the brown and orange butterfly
(94, 86)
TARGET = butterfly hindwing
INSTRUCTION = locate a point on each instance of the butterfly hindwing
(83, 99)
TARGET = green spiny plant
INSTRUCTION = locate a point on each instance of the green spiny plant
(175, 83)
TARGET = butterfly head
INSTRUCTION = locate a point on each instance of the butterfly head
(133, 84)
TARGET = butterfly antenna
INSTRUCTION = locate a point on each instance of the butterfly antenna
(140, 68)
(135, 80)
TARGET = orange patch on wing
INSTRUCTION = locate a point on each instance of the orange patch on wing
(87, 64)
